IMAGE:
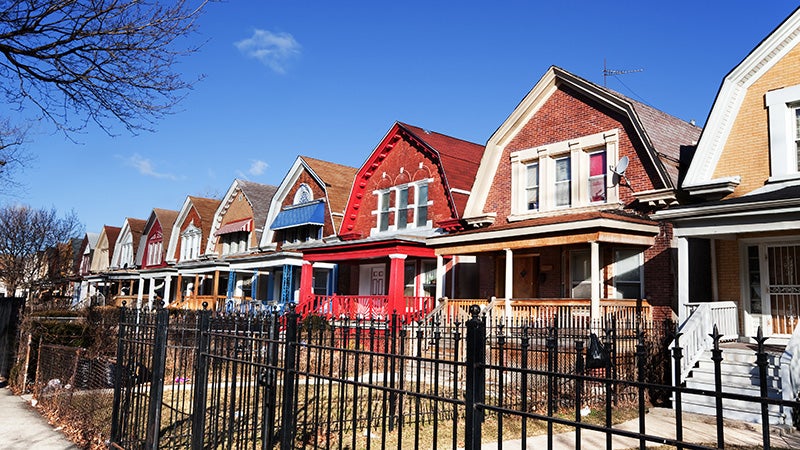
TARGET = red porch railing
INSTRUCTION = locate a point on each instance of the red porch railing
(364, 306)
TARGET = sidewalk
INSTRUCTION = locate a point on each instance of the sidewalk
(22, 428)
(697, 428)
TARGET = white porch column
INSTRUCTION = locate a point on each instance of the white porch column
(167, 286)
(509, 289)
(151, 292)
(596, 279)
(140, 294)
(439, 277)
(683, 278)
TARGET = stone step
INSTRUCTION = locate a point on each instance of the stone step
(733, 367)
(736, 378)
(733, 409)
(734, 388)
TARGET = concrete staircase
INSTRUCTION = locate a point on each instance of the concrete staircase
(739, 376)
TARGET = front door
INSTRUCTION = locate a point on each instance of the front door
(783, 287)
(372, 279)
(526, 276)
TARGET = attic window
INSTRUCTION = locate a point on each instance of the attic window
(784, 133)
(303, 195)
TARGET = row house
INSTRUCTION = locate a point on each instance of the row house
(739, 234)
(123, 274)
(155, 274)
(560, 214)
(414, 185)
(86, 252)
(198, 275)
(98, 287)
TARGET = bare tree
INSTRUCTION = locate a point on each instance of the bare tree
(78, 62)
(27, 239)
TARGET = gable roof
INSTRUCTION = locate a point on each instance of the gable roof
(112, 234)
(166, 219)
(729, 100)
(259, 197)
(661, 135)
(337, 178)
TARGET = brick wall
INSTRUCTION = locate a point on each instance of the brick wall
(239, 209)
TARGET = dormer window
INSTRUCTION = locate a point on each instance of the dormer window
(784, 133)
(154, 249)
(190, 243)
(565, 174)
(402, 207)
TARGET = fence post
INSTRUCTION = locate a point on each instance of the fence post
(641, 356)
(476, 358)
(289, 373)
(677, 356)
(609, 386)
(157, 381)
(550, 344)
(579, 371)
(201, 378)
(716, 356)
(761, 362)
(115, 412)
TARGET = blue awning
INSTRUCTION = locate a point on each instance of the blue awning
(312, 213)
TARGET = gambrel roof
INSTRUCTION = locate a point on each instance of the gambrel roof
(661, 136)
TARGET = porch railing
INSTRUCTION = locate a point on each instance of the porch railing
(695, 332)
(572, 312)
(364, 306)
(196, 302)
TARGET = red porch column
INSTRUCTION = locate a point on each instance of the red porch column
(306, 283)
(397, 302)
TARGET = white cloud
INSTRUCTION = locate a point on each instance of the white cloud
(274, 50)
(257, 167)
(145, 167)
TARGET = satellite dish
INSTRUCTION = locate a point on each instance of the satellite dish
(619, 170)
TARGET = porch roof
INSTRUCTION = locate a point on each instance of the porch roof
(599, 226)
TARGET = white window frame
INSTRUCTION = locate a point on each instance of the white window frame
(579, 151)
(389, 212)
(232, 246)
(529, 186)
(783, 152)
(628, 251)
(303, 190)
(190, 243)
(154, 252)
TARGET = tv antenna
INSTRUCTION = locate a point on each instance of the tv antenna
(613, 72)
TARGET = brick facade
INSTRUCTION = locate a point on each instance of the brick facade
(238, 209)
(317, 190)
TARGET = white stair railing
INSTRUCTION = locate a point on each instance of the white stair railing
(695, 332)
(790, 372)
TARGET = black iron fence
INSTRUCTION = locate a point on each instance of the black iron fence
(195, 380)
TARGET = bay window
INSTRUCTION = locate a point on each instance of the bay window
(628, 273)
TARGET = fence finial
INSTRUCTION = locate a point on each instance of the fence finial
(474, 311)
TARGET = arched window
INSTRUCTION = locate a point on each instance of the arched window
(303, 195)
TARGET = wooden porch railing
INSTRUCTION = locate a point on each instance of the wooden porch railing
(196, 302)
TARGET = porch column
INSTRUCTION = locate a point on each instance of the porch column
(306, 282)
(167, 283)
(509, 285)
(213, 303)
(140, 294)
(439, 277)
(683, 278)
(151, 292)
(179, 290)
(397, 284)
(595, 269)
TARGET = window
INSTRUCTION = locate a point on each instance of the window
(404, 206)
(628, 273)
(303, 195)
(563, 185)
(565, 174)
(234, 242)
(784, 132)
(190, 243)
(597, 176)
(154, 252)
(532, 186)
(580, 274)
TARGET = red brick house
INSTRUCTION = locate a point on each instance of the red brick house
(307, 207)
(413, 185)
(155, 273)
(197, 274)
(560, 212)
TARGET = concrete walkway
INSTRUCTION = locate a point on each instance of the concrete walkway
(22, 428)
(697, 429)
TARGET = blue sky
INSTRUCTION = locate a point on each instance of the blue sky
(328, 79)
